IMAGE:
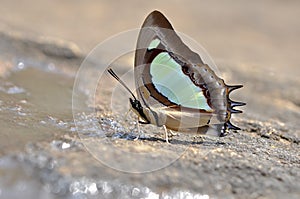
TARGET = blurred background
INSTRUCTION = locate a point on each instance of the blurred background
(258, 33)
(42, 44)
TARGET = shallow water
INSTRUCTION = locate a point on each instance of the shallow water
(29, 106)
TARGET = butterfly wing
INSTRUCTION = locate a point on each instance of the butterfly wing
(173, 83)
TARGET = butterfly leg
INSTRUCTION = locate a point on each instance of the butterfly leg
(127, 113)
(172, 133)
(138, 127)
(166, 134)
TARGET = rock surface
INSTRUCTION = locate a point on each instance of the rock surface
(46, 154)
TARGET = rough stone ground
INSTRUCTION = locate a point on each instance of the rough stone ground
(260, 161)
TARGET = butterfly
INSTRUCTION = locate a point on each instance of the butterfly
(175, 88)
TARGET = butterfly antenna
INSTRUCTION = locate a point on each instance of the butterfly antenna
(112, 73)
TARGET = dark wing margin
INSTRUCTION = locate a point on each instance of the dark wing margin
(156, 25)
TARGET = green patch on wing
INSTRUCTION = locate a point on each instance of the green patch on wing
(154, 43)
(170, 81)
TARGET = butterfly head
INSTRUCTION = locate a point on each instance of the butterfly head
(136, 105)
(139, 110)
